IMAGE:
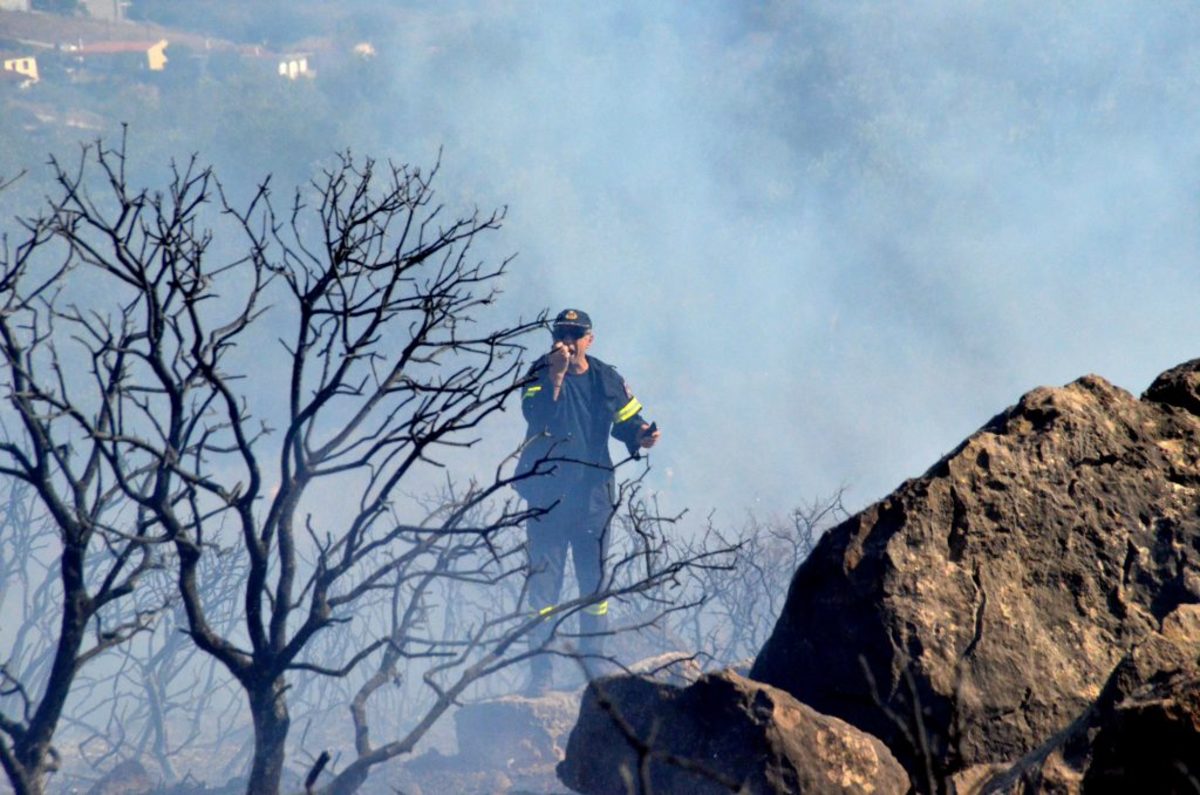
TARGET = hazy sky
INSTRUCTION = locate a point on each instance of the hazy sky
(826, 241)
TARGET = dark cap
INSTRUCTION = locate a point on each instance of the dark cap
(573, 318)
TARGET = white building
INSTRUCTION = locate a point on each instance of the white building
(16, 5)
(25, 66)
(294, 66)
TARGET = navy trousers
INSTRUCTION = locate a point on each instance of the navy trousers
(579, 523)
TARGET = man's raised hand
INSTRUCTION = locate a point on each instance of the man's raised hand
(560, 357)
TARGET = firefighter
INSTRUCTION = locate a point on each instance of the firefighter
(572, 402)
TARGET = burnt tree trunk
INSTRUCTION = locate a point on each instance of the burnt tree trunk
(23, 780)
(268, 708)
(32, 757)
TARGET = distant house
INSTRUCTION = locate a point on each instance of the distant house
(294, 66)
(155, 53)
(16, 5)
(25, 66)
(156, 56)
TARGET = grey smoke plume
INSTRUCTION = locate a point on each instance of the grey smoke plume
(824, 241)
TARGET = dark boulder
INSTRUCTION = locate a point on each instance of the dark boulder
(1179, 386)
(979, 609)
(714, 736)
(1142, 734)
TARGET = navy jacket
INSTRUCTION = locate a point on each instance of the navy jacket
(614, 411)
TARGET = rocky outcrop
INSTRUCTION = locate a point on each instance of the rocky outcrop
(979, 609)
(512, 744)
(505, 744)
(515, 732)
(722, 733)
(1142, 734)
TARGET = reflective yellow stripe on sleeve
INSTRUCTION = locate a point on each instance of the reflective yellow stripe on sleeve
(531, 391)
(630, 408)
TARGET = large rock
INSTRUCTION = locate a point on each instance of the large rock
(1141, 735)
(515, 732)
(714, 736)
(505, 744)
(513, 743)
(977, 610)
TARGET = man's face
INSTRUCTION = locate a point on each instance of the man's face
(576, 339)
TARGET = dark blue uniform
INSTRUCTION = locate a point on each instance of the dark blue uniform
(566, 446)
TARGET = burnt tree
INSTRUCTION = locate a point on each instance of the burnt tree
(272, 383)
(64, 507)
(267, 386)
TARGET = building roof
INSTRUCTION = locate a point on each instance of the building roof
(108, 47)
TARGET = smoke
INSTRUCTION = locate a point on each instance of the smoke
(826, 241)
(823, 241)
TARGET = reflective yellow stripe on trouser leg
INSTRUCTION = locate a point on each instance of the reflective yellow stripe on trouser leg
(598, 609)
